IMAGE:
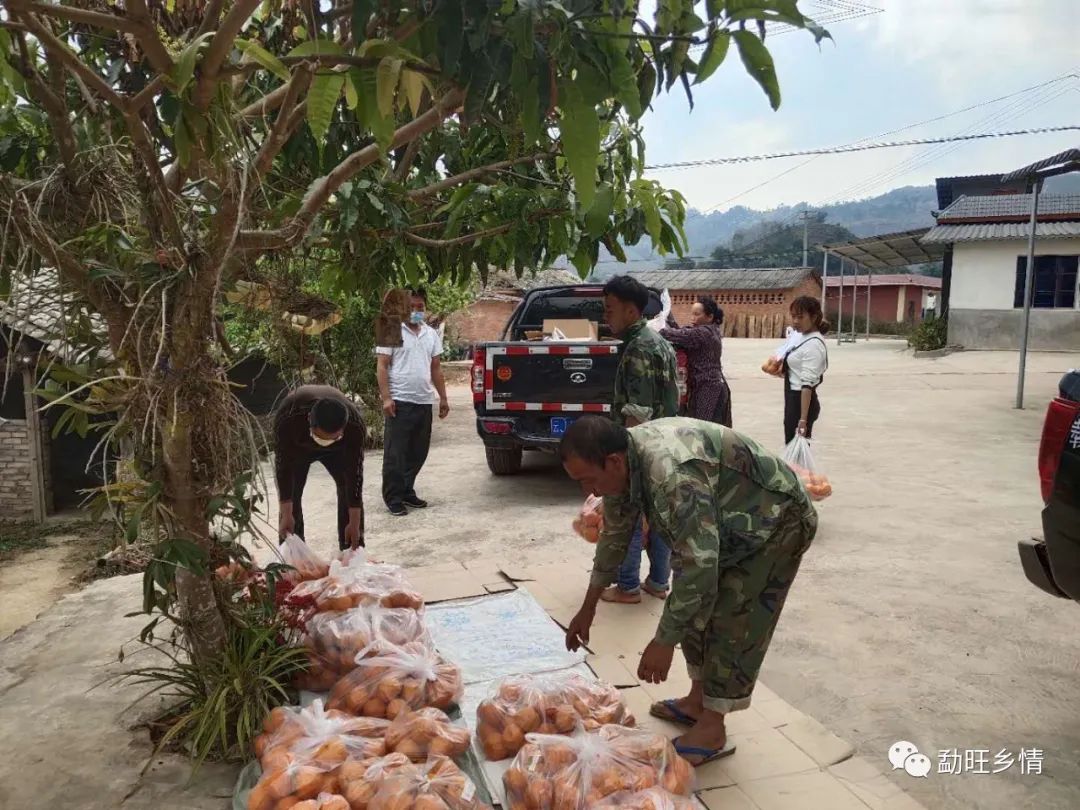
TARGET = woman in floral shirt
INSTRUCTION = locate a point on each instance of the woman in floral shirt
(710, 396)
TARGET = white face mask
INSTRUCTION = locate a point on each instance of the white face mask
(323, 442)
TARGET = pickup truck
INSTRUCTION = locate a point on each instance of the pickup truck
(527, 392)
(1053, 563)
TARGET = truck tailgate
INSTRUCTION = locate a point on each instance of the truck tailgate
(554, 377)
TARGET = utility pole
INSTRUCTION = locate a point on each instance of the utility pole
(805, 217)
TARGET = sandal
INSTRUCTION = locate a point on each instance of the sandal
(706, 754)
(668, 710)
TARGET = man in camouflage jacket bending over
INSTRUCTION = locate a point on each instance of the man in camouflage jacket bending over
(738, 521)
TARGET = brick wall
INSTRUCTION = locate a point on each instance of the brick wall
(482, 321)
(748, 313)
(16, 493)
(887, 302)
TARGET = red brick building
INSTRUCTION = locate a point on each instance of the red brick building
(756, 302)
(483, 320)
(894, 298)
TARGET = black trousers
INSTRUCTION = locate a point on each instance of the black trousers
(793, 412)
(334, 461)
(406, 441)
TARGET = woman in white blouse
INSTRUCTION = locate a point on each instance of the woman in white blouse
(804, 368)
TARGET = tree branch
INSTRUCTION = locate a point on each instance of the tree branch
(320, 190)
(210, 17)
(76, 15)
(457, 240)
(153, 47)
(401, 171)
(333, 60)
(159, 192)
(220, 46)
(283, 125)
(267, 104)
(53, 105)
(62, 52)
(472, 174)
(140, 99)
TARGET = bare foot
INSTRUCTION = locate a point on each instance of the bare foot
(672, 709)
(614, 594)
(708, 734)
(659, 593)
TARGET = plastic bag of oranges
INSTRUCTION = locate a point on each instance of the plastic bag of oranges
(545, 704)
(324, 801)
(358, 583)
(590, 521)
(774, 365)
(334, 639)
(426, 731)
(359, 779)
(578, 772)
(437, 784)
(302, 750)
(801, 460)
(390, 679)
(651, 799)
(307, 564)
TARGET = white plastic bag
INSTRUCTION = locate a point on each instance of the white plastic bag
(774, 365)
(800, 458)
(660, 321)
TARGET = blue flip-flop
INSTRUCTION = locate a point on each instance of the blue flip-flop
(673, 714)
(706, 754)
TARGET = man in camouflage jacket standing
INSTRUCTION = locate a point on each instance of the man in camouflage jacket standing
(645, 389)
(738, 521)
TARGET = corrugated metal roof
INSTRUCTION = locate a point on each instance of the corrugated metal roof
(766, 278)
(978, 232)
(41, 309)
(1057, 161)
(1017, 206)
(887, 280)
(887, 250)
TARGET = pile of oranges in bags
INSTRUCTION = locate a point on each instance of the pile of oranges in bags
(774, 366)
(354, 582)
(551, 704)
(651, 799)
(390, 679)
(579, 772)
(335, 639)
(590, 521)
(424, 732)
(817, 485)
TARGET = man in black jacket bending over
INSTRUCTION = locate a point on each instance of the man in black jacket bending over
(319, 423)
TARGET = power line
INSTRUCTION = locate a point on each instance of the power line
(837, 150)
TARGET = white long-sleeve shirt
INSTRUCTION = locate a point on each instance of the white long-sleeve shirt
(807, 362)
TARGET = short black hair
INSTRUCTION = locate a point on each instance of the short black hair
(592, 439)
(629, 290)
(329, 415)
(420, 293)
(712, 309)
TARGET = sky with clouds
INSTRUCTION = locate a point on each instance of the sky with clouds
(913, 61)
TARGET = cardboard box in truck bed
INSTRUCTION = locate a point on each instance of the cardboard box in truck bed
(573, 329)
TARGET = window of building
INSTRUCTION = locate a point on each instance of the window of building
(1053, 285)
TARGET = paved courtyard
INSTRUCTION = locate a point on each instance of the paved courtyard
(911, 619)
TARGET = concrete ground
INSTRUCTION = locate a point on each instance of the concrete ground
(911, 618)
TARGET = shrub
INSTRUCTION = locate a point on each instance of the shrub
(929, 335)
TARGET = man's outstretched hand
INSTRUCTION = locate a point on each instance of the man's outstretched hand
(577, 634)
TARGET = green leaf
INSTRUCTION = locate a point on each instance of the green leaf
(322, 98)
(451, 36)
(582, 259)
(352, 98)
(255, 52)
(412, 85)
(182, 140)
(625, 82)
(317, 47)
(646, 82)
(361, 13)
(479, 86)
(387, 76)
(596, 218)
(380, 126)
(579, 126)
(184, 69)
(759, 64)
(715, 53)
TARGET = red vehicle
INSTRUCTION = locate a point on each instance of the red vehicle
(526, 393)
(1053, 563)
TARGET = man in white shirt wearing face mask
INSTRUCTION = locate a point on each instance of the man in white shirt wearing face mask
(411, 382)
(319, 423)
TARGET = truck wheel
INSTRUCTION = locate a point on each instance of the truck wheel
(503, 460)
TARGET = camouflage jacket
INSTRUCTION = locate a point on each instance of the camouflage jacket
(715, 495)
(645, 384)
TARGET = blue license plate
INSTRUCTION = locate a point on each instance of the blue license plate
(559, 424)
